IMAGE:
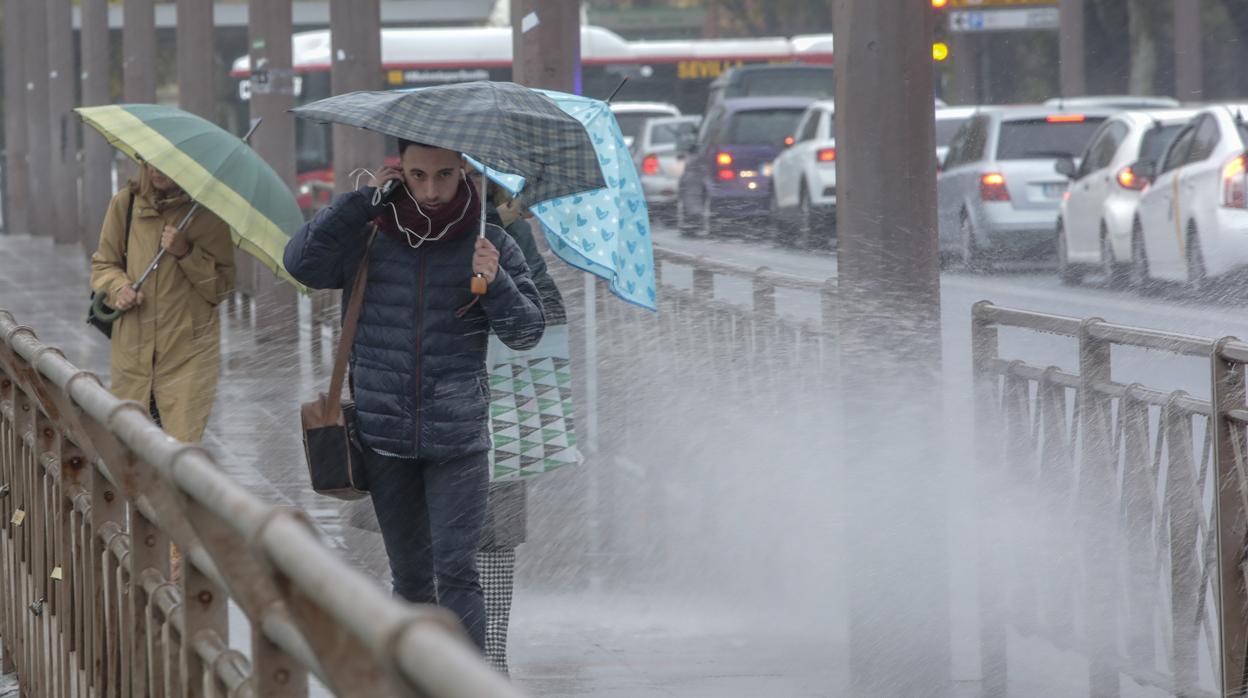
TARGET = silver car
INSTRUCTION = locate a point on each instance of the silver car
(998, 193)
(659, 163)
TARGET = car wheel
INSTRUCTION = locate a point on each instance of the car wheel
(972, 257)
(1115, 272)
(780, 226)
(1139, 275)
(1197, 275)
(683, 222)
(1067, 272)
(707, 227)
(805, 217)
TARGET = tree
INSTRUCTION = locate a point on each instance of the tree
(773, 17)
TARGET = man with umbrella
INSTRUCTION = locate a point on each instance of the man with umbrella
(418, 361)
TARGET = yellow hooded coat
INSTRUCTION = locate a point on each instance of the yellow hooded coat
(168, 347)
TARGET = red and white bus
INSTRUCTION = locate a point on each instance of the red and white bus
(679, 72)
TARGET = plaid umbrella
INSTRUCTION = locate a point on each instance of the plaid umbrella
(507, 127)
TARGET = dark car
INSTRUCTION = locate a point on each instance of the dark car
(774, 80)
(727, 175)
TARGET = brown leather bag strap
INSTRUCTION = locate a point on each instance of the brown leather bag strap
(349, 323)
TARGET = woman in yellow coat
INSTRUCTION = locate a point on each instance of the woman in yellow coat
(166, 349)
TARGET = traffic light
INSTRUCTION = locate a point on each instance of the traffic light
(940, 50)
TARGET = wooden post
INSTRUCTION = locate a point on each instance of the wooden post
(1188, 83)
(16, 174)
(272, 94)
(97, 161)
(138, 47)
(62, 124)
(195, 58)
(1071, 52)
(38, 134)
(889, 287)
(355, 32)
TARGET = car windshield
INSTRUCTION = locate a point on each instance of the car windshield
(1031, 139)
(784, 83)
(1156, 140)
(663, 134)
(946, 129)
(631, 122)
(762, 126)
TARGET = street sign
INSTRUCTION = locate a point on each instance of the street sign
(955, 4)
(1017, 19)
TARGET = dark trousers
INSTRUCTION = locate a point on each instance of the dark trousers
(430, 514)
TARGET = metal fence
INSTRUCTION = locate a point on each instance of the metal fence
(92, 494)
(1114, 514)
(658, 418)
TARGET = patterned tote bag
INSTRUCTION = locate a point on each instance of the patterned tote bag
(531, 416)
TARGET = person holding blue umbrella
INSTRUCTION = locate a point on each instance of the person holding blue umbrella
(415, 235)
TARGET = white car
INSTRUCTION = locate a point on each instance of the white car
(1191, 224)
(1098, 209)
(949, 121)
(659, 164)
(804, 177)
(1113, 102)
(632, 115)
(998, 194)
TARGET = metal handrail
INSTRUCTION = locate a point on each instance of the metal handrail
(1024, 431)
(309, 609)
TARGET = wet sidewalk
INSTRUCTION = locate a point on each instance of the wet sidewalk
(565, 641)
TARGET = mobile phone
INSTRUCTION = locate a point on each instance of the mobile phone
(390, 189)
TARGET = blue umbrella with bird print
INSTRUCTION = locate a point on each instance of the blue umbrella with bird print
(604, 231)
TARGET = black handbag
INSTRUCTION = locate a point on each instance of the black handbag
(100, 314)
(330, 445)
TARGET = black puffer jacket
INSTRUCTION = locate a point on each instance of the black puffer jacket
(418, 371)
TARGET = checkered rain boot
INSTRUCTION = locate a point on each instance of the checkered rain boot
(497, 570)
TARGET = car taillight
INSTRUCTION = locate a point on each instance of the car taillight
(1235, 184)
(1065, 118)
(723, 159)
(650, 165)
(727, 175)
(825, 155)
(1127, 179)
(992, 187)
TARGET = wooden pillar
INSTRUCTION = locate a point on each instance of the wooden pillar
(63, 131)
(272, 94)
(356, 37)
(546, 44)
(38, 133)
(16, 174)
(889, 286)
(1188, 83)
(1071, 52)
(138, 46)
(195, 58)
(97, 154)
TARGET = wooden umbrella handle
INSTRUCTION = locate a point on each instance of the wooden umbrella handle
(479, 285)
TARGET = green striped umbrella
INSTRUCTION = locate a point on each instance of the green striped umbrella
(214, 167)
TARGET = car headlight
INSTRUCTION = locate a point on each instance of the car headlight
(767, 167)
(305, 189)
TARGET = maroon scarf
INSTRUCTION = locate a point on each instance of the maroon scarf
(411, 217)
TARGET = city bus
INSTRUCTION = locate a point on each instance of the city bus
(679, 72)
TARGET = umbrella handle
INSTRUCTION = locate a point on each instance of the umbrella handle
(102, 311)
(479, 285)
